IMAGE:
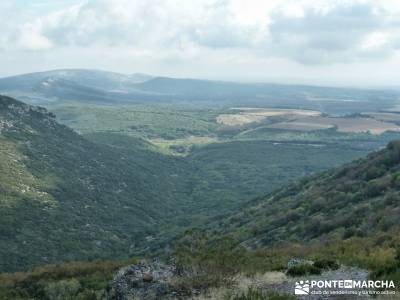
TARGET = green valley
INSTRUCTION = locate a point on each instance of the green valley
(199, 150)
(110, 191)
(94, 182)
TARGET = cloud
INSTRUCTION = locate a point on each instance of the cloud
(310, 32)
(216, 33)
(342, 33)
(30, 37)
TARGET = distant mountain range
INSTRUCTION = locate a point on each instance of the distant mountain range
(93, 86)
(72, 85)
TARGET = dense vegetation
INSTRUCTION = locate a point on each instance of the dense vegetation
(65, 198)
(145, 121)
(77, 280)
(360, 199)
(58, 181)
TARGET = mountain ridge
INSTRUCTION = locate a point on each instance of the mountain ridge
(102, 87)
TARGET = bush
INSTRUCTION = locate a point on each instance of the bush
(209, 263)
(75, 280)
(348, 233)
(303, 270)
(62, 289)
(326, 264)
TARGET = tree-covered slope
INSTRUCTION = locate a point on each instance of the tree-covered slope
(63, 197)
(359, 199)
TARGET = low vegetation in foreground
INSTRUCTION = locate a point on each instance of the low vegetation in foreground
(75, 280)
(208, 268)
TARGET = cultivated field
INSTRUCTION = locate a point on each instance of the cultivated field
(300, 125)
(345, 124)
(249, 115)
(310, 120)
(384, 116)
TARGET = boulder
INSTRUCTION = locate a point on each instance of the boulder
(148, 277)
(144, 281)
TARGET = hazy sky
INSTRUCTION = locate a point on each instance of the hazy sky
(346, 42)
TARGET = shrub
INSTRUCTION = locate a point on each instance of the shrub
(209, 263)
(75, 280)
(303, 270)
(326, 264)
(62, 289)
(348, 233)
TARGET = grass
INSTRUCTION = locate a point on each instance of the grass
(254, 294)
(77, 280)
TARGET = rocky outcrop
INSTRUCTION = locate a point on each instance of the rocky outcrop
(144, 281)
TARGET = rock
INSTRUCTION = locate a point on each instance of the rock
(144, 281)
(298, 261)
(147, 277)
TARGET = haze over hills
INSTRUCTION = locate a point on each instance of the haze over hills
(93, 86)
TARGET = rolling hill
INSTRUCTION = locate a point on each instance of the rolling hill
(101, 87)
(333, 100)
(360, 199)
(79, 85)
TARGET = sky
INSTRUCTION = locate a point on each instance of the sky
(322, 42)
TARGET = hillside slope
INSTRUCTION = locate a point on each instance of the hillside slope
(63, 197)
(359, 199)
